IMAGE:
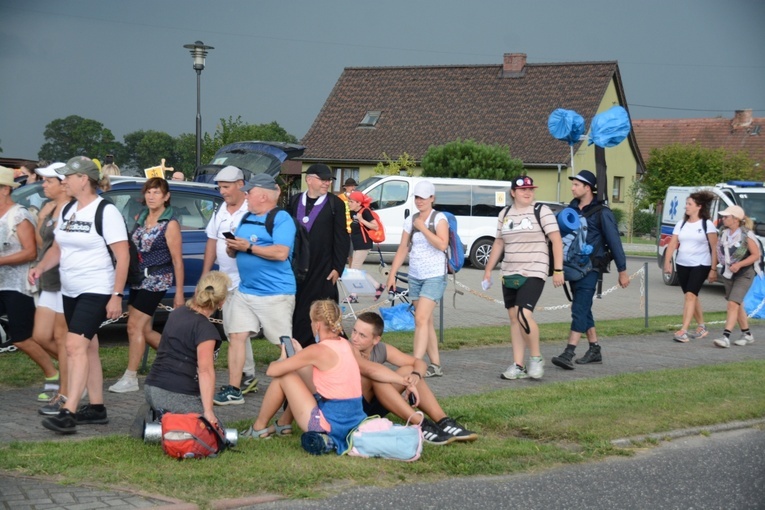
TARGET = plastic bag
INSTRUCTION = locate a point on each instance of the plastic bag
(566, 125)
(754, 301)
(398, 318)
(610, 128)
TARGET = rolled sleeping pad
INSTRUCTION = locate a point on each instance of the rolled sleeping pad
(568, 221)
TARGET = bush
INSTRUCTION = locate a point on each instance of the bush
(643, 223)
(618, 216)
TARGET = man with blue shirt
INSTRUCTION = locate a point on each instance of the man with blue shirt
(265, 297)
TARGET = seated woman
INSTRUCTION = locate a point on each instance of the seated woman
(182, 378)
(322, 383)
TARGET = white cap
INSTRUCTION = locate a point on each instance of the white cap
(229, 174)
(424, 189)
(50, 170)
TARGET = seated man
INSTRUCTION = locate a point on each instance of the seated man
(381, 398)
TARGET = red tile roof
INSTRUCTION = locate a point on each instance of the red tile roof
(742, 133)
(433, 105)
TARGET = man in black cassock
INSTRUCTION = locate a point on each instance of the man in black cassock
(323, 215)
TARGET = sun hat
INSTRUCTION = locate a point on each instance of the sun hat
(6, 178)
(586, 177)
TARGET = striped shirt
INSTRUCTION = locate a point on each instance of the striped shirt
(525, 240)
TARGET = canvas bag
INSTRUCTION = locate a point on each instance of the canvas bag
(380, 438)
(377, 236)
(191, 436)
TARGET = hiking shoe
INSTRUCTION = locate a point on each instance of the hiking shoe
(591, 356)
(434, 371)
(89, 415)
(249, 384)
(125, 385)
(723, 342)
(434, 434)
(228, 395)
(514, 372)
(457, 431)
(54, 406)
(745, 339)
(317, 443)
(700, 332)
(63, 422)
(536, 367)
(681, 336)
(564, 360)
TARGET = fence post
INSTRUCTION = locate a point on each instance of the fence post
(441, 320)
(645, 287)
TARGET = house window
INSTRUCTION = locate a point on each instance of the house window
(370, 119)
(343, 174)
(617, 189)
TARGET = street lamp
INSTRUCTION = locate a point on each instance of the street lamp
(198, 53)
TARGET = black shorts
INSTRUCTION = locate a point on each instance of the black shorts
(525, 297)
(85, 313)
(373, 408)
(145, 301)
(692, 278)
(20, 310)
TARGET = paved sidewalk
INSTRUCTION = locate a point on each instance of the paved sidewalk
(468, 371)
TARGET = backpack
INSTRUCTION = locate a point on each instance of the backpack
(380, 438)
(577, 254)
(191, 436)
(301, 250)
(455, 250)
(377, 236)
(135, 275)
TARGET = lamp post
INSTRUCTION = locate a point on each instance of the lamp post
(198, 52)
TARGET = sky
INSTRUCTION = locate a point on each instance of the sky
(122, 62)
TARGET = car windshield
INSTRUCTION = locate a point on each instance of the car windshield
(754, 205)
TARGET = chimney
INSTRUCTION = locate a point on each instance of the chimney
(513, 65)
(742, 118)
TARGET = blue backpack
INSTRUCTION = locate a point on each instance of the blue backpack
(577, 254)
(455, 251)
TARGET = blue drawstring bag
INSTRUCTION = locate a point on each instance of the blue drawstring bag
(610, 127)
(566, 125)
(398, 318)
(754, 301)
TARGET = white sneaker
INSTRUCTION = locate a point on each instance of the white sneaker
(723, 342)
(745, 339)
(536, 367)
(514, 372)
(124, 385)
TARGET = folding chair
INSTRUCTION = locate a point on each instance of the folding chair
(400, 292)
(354, 281)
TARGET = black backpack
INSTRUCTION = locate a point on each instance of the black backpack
(301, 250)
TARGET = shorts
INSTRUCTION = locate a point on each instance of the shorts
(51, 300)
(374, 408)
(737, 287)
(250, 313)
(20, 309)
(316, 420)
(692, 277)
(145, 301)
(431, 288)
(85, 313)
(526, 296)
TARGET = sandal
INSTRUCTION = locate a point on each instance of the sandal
(379, 291)
(251, 433)
(351, 299)
(280, 430)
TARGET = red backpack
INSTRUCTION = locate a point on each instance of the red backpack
(191, 436)
(377, 236)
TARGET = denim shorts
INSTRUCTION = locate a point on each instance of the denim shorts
(431, 288)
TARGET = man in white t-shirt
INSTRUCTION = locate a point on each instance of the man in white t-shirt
(226, 218)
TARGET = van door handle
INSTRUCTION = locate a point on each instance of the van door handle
(406, 213)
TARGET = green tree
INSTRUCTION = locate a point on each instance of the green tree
(691, 165)
(404, 163)
(73, 136)
(470, 159)
(186, 154)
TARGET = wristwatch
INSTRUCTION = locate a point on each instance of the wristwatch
(249, 249)
(120, 294)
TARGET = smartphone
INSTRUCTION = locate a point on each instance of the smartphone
(229, 235)
(287, 342)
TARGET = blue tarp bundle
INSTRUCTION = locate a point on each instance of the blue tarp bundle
(610, 128)
(566, 125)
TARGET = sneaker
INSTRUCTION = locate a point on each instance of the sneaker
(50, 389)
(457, 431)
(434, 434)
(434, 371)
(351, 299)
(125, 385)
(591, 356)
(681, 336)
(723, 342)
(745, 339)
(54, 406)
(249, 384)
(317, 443)
(89, 415)
(536, 367)
(564, 360)
(700, 332)
(514, 372)
(63, 422)
(228, 395)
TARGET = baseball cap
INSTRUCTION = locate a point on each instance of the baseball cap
(735, 210)
(424, 189)
(50, 170)
(264, 181)
(586, 177)
(80, 165)
(523, 182)
(229, 173)
(321, 171)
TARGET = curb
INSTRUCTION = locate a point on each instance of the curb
(694, 431)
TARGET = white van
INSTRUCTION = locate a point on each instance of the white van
(476, 203)
(748, 194)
